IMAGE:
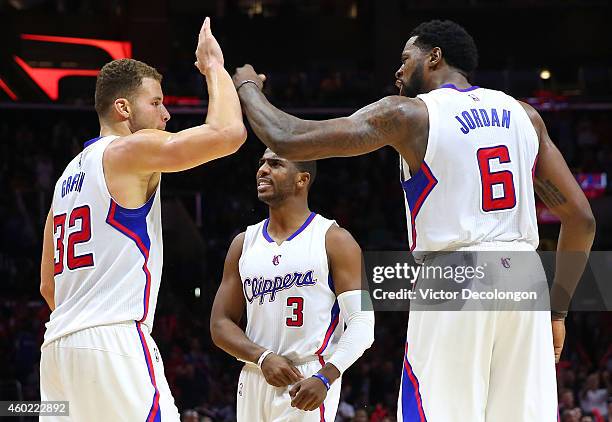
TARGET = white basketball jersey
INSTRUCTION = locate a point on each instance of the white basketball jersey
(290, 300)
(108, 259)
(476, 182)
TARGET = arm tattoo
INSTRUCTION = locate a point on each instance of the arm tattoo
(549, 193)
(368, 129)
(379, 130)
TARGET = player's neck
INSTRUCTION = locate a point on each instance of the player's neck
(119, 129)
(286, 218)
(452, 77)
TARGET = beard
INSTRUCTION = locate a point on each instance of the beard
(414, 86)
(277, 196)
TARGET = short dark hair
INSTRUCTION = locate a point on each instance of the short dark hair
(120, 79)
(307, 167)
(458, 47)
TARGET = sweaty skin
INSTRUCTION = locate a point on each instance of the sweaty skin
(403, 124)
(285, 191)
(133, 162)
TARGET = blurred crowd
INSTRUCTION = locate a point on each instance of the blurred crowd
(216, 202)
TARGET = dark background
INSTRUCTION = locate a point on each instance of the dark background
(323, 59)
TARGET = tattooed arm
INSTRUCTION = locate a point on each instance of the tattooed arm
(558, 189)
(385, 122)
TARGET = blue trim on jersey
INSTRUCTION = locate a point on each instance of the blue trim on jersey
(417, 189)
(265, 231)
(412, 406)
(154, 413)
(452, 86)
(135, 220)
(306, 223)
(132, 222)
(298, 231)
(334, 317)
(330, 283)
(91, 141)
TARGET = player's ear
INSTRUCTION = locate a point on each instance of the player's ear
(122, 107)
(435, 57)
(303, 180)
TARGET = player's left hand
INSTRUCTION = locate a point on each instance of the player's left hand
(308, 394)
(246, 73)
(558, 331)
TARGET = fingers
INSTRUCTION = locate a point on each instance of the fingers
(205, 28)
(305, 401)
(262, 77)
(558, 331)
(284, 377)
(294, 390)
(299, 400)
(292, 374)
(296, 372)
(310, 404)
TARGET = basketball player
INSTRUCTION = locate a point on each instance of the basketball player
(470, 150)
(299, 276)
(102, 249)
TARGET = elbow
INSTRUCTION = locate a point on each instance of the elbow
(279, 140)
(235, 135)
(282, 145)
(582, 219)
(46, 291)
(215, 332)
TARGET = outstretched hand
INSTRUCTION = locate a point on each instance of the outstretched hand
(247, 73)
(208, 53)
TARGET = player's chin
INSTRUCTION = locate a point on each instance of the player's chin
(267, 196)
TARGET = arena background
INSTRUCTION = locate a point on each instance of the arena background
(323, 59)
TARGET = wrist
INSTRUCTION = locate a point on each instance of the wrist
(323, 379)
(263, 357)
(558, 315)
(330, 372)
(212, 68)
(246, 82)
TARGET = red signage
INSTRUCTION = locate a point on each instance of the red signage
(47, 78)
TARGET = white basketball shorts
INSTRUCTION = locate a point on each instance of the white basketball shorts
(107, 373)
(259, 401)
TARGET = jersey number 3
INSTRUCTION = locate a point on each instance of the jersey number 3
(297, 306)
(506, 199)
(83, 234)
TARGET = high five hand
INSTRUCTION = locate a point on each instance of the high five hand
(208, 53)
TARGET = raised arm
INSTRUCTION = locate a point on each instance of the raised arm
(47, 282)
(389, 121)
(226, 333)
(149, 151)
(558, 189)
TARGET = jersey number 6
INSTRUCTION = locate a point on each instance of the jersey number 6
(489, 179)
(78, 236)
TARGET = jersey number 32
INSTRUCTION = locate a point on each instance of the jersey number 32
(77, 235)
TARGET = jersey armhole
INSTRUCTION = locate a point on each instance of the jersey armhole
(432, 135)
(529, 128)
(331, 224)
(105, 189)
